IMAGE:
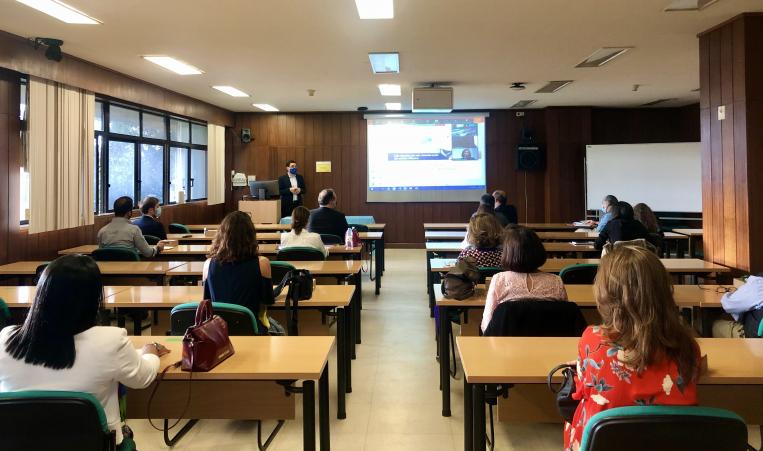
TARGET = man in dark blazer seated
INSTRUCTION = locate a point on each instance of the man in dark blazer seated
(149, 222)
(326, 219)
(292, 188)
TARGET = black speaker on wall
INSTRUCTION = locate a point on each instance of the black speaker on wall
(246, 135)
(530, 157)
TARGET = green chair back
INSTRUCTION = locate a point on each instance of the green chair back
(39, 419)
(677, 428)
(152, 240)
(279, 269)
(285, 220)
(115, 254)
(178, 228)
(582, 274)
(241, 320)
(488, 271)
(300, 253)
(5, 314)
(361, 220)
(359, 227)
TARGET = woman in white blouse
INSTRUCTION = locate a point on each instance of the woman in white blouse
(298, 236)
(59, 347)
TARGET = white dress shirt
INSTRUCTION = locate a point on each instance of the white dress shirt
(747, 297)
(104, 358)
(294, 184)
(305, 238)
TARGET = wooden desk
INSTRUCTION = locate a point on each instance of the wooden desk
(152, 269)
(525, 362)
(191, 238)
(241, 387)
(376, 227)
(534, 226)
(693, 235)
(22, 296)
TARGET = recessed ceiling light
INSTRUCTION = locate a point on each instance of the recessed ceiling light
(389, 90)
(603, 56)
(60, 11)
(264, 107)
(393, 106)
(174, 65)
(231, 91)
(375, 9)
(688, 5)
(385, 62)
(554, 86)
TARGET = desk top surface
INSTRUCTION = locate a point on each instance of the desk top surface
(255, 358)
(203, 249)
(544, 235)
(377, 227)
(141, 268)
(689, 232)
(534, 226)
(529, 359)
(554, 265)
(455, 246)
(261, 236)
(326, 267)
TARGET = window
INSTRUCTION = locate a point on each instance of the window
(141, 152)
(25, 185)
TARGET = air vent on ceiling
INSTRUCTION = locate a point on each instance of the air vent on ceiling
(554, 86)
(688, 5)
(603, 56)
(523, 103)
(658, 101)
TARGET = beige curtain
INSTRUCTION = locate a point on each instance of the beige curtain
(215, 164)
(61, 156)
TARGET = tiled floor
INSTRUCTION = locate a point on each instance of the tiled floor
(395, 403)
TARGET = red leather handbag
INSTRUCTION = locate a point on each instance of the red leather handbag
(206, 343)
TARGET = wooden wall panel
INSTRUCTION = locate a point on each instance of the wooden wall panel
(645, 125)
(731, 75)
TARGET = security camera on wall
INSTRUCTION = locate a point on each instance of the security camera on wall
(53, 52)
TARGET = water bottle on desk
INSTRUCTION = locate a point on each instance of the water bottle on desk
(348, 239)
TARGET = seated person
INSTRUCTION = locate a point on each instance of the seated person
(298, 236)
(484, 245)
(523, 255)
(119, 232)
(326, 219)
(507, 210)
(235, 273)
(487, 205)
(60, 347)
(149, 221)
(642, 353)
(738, 304)
(622, 227)
(608, 205)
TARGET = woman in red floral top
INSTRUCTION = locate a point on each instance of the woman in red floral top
(642, 353)
(484, 237)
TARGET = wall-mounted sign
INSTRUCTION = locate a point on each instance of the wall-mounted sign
(322, 166)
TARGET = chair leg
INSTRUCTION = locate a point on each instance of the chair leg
(491, 439)
(454, 370)
(270, 438)
(171, 441)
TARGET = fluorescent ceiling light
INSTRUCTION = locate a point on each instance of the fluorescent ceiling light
(385, 62)
(688, 5)
(658, 102)
(231, 91)
(60, 11)
(375, 9)
(523, 103)
(389, 90)
(393, 106)
(603, 56)
(174, 65)
(265, 107)
(553, 86)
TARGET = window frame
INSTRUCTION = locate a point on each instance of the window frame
(102, 171)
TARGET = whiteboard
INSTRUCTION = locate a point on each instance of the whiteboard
(665, 176)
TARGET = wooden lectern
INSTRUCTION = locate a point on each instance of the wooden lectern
(262, 211)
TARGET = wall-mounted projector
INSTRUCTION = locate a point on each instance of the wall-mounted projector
(432, 100)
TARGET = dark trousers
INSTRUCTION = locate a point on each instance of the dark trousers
(288, 206)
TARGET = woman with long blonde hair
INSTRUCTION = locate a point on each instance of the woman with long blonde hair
(642, 353)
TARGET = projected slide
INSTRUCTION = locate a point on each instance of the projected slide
(426, 158)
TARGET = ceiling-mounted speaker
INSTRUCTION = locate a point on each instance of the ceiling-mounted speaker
(530, 157)
(246, 135)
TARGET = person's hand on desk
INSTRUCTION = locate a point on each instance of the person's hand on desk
(161, 245)
(155, 349)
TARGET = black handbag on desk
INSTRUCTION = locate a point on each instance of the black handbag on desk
(565, 405)
(300, 288)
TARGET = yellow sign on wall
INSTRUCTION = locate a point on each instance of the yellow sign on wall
(322, 166)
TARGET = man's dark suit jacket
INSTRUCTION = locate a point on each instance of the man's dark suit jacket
(150, 226)
(287, 202)
(325, 220)
(509, 212)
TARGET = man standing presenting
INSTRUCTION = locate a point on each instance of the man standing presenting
(292, 188)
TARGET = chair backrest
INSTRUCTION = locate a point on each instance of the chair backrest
(150, 239)
(285, 220)
(300, 253)
(5, 314)
(359, 227)
(38, 272)
(584, 273)
(488, 271)
(241, 320)
(31, 420)
(361, 220)
(677, 428)
(178, 228)
(115, 254)
(279, 269)
(531, 317)
(328, 238)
